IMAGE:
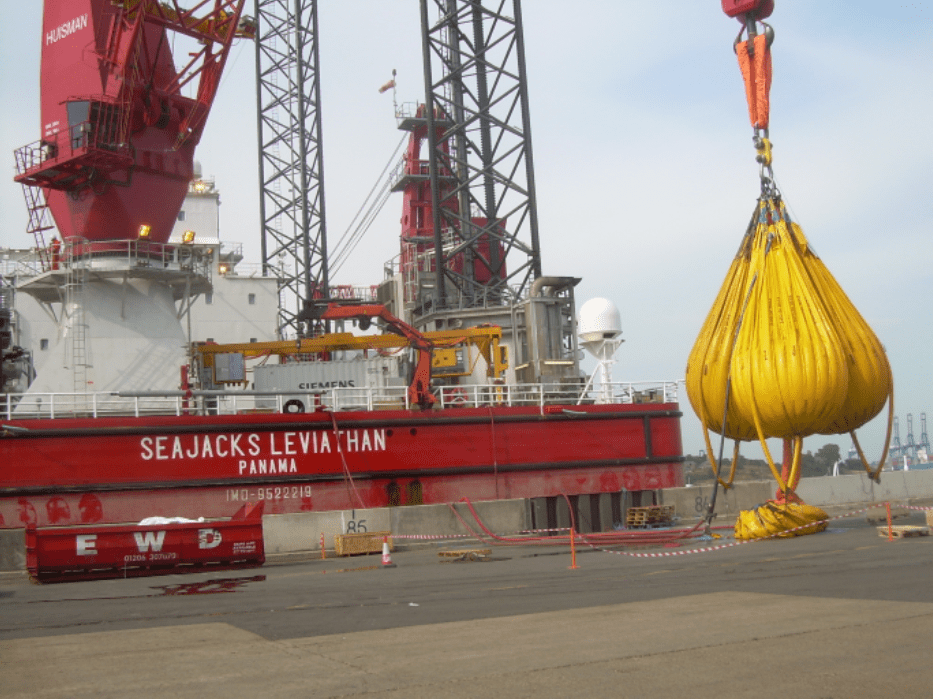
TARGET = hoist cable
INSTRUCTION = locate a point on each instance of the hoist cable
(352, 236)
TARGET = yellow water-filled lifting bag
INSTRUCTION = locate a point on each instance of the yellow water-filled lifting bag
(783, 352)
(781, 520)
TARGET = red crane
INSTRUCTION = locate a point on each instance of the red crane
(118, 134)
(419, 390)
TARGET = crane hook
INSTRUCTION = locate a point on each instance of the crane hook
(769, 37)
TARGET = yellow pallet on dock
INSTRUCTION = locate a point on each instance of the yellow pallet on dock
(359, 543)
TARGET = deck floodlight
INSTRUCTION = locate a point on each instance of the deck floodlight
(188, 237)
(144, 231)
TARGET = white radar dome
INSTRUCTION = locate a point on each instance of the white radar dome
(599, 320)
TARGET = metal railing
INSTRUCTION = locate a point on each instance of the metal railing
(28, 264)
(100, 133)
(102, 255)
(29, 406)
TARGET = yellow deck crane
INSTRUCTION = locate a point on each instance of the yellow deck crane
(434, 349)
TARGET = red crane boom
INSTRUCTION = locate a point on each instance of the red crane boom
(118, 134)
(419, 390)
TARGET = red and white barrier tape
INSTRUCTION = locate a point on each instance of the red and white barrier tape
(431, 536)
(658, 554)
(471, 536)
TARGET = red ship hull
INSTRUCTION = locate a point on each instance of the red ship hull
(108, 470)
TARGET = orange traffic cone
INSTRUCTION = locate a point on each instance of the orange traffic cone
(386, 558)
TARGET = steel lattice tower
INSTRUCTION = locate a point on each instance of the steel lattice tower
(291, 170)
(480, 96)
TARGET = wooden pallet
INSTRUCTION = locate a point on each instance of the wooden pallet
(879, 515)
(465, 554)
(902, 531)
(648, 516)
(355, 544)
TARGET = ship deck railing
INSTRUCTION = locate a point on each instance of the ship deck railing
(30, 406)
(112, 256)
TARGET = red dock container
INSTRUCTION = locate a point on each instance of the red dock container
(58, 554)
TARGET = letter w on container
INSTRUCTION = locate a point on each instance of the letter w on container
(149, 541)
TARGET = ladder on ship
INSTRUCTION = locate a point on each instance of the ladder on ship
(77, 258)
(40, 221)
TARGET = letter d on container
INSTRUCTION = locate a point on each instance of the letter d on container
(209, 538)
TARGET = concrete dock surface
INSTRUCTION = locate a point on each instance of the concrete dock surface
(844, 613)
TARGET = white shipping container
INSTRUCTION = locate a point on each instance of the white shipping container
(353, 377)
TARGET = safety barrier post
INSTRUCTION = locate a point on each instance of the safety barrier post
(573, 550)
(323, 551)
(887, 507)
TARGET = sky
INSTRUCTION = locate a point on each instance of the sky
(644, 163)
